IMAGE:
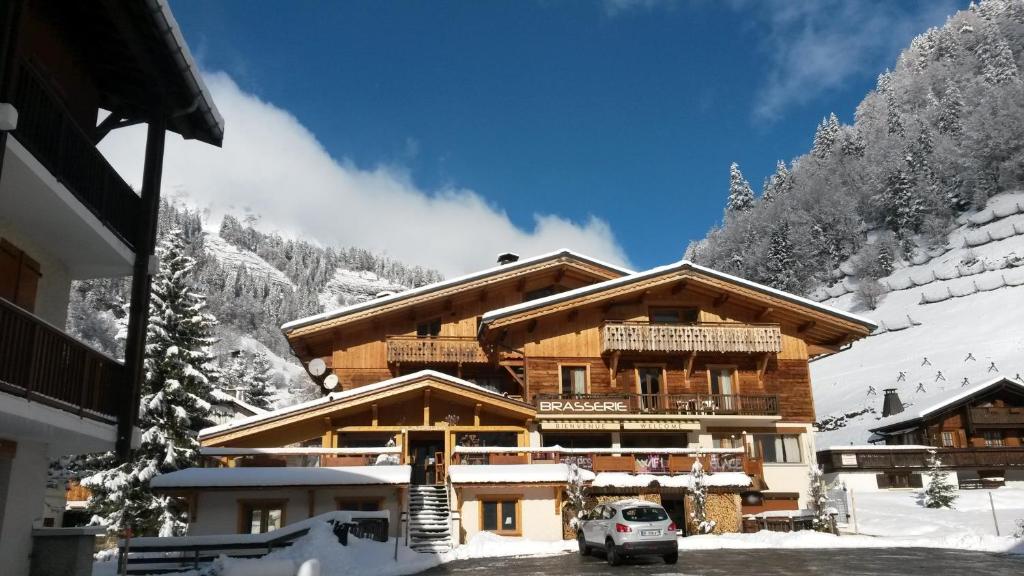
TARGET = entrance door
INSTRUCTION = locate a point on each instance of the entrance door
(676, 511)
(424, 448)
(650, 384)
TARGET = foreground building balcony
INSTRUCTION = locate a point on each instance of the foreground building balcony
(679, 404)
(898, 457)
(440, 349)
(704, 337)
(44, 365)
(998, 416)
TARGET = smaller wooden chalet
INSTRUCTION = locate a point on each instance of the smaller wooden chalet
(977, 432)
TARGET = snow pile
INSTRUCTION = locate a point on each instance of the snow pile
(626, 480)
(952, 343)
(518, 473)
(488, 545)
(809, 539)
(312, 476)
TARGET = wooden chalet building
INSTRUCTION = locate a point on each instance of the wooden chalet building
(481, 389)
(977, 432)
(70, 72)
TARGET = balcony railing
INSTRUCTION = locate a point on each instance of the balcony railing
(998, 416)
(48, 131)
(633, 461)
(704, 337)
(682, 404)
(45, 365)
(436, 349)
(896, 457)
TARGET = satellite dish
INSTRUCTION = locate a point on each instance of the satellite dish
(317, 367)
(331, 382)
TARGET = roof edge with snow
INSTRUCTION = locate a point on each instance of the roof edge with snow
(962, 396)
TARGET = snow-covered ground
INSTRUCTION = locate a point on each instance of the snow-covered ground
(941, 335)
(231, 257)
(352, 287)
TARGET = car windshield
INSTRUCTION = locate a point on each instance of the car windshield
(644, 514)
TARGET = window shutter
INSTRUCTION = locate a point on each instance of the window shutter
(10, 262)
(19, 276)
(915, 481)
(883, 480)
(28, 283)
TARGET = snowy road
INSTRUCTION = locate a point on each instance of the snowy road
(905, 561)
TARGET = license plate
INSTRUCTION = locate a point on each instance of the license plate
(650, 532)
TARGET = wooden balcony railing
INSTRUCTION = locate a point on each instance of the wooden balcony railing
(49, 132)
(998, 416)
(917, 459)
(437, 349)
(633, 463)
(704, 337)
(45, 365)
(683, 404)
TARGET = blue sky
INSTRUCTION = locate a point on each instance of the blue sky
(619, 117)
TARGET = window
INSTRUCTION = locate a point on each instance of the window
(578, 440)
(722, 379)
(947, 439)
(649, 385)
(574, 380)
(674, 315)
(778, 448)
(993, 437)
(540, 293)
(727, 440)
(644, 514)
(429, 329)
(19, 276)
(259, 516)
(500, 515)
(360, 505)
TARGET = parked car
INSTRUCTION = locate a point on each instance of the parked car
(628, 528)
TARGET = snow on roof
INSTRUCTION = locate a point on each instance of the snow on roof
(301, 451)
(945, 400)
(657, 271)
(428, 288)
(347, 395)
(512, 473)
(560, 450)
(222, 396)
(880, 447)
(627, 480)
(283, 476)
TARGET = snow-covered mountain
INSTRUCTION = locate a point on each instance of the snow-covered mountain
(952, 319)
(232, 257)
(354, 286)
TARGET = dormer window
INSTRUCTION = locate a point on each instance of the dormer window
(429, 328)
(540, 293)
(674, 315)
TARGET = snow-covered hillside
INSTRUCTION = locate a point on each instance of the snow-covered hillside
(232, 257)
(352, 287)
(954, 318)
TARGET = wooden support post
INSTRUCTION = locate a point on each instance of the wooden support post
(476, 414)
(613, 368)
(375, 421)
(328, 439)
(764, 313)
(426, 407)
(722, 299)
(689, 367)
(807, 326)
(762, 366)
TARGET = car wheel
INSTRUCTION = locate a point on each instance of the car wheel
(671, 558)
(614, 556)
(584, 549)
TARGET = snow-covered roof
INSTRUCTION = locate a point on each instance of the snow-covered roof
(352, 394)
(222, 396)
(301, 451)
(282, 476)
(512, 473)
(561, 450)
(627, 480)
(660, 270)
(436, 286)
(880, 447)
(945, 400)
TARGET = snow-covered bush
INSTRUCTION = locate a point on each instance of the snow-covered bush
(1019, 530)
(575, 495)
(699, 511)
(818, 492)
(940, 493)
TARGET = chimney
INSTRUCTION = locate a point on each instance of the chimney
(891, 403)
(507, 258)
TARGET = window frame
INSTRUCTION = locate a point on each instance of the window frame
(22, 287)
(246, 507)
(680, 311)
(994, 438)
(735, 377)
(499, 499)
(951, 434)
(340, 503)
(586, 376)
(429, 323)
(759, 449)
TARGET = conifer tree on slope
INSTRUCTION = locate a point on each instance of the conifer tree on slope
(825, 137)
(741, 196)
(175, 402)
(778, 184)
(258, 388)
(940, 493)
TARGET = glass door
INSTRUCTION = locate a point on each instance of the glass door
(650, 387)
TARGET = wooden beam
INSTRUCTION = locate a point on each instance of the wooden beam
(762, 365)
(476, 413)
(807, 326)
(679, 287)
(613, 368)
(573, 314)
(521, 284)
(559, 275)
(483, 295)
(531, 326)
(426, 407)
(689, 366)
(375, 422)
(328, 438)
(514, 375)
(722, 299)
(764, 313)
(448, 305)
(608, 306)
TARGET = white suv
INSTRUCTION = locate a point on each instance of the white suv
(629, 528)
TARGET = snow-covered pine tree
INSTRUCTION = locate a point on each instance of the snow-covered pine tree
(778, 184)
(258, 389)
(175, 402)
(780, 260)
(699, 487)
(741, 196)
(575, 495)
(902, 210)
(951, 107)
(818, 495)
(940, 493)
(996, 57)
(825, 137)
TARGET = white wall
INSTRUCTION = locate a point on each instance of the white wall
(55, 283)
(23, 506)
(540, 520)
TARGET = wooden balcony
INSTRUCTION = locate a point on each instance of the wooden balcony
(899, 458)
(998, 416)
(45, 365)
(705, 337)
(48, 131)
(681, 404)
(435, 350)
(635, 462)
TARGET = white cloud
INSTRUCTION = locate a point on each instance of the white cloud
(616, 7)
(815, 47)
(273, 166)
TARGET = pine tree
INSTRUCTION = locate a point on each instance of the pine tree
(258, 389)
(902, 211)
(940, 493)
(699, 487)
(778, 184)
(996, 57)
(175, 402)
(818, 495)
(575, 495)
(825, 137)
(741, 196)
(780, 260)
(950, 109)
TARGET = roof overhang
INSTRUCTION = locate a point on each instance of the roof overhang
(899, 425)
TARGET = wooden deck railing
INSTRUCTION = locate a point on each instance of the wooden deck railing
(998, 416)
(436, 349)
(704, 337)
(633, 463)
(902, 458)
(45, 365)
(49, 132)
(683, 404)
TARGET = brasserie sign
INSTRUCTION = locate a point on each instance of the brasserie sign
(599, 406)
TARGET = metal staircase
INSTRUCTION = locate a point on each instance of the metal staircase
(429, 519)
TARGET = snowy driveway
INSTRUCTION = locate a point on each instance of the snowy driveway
(904, 561)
